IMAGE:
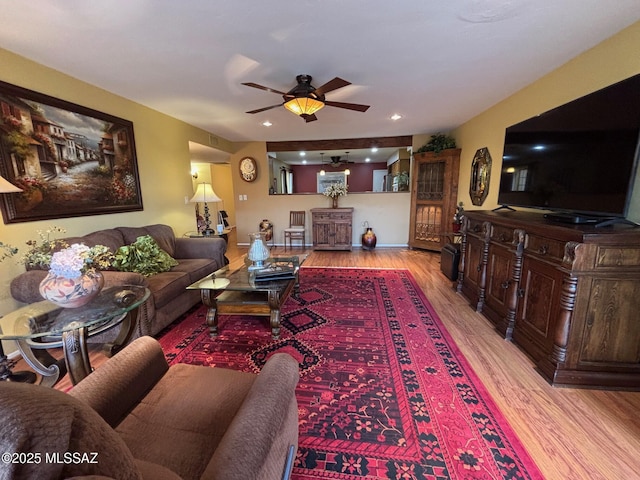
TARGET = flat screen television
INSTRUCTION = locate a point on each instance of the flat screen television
(578, 160)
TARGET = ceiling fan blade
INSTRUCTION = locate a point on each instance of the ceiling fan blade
(348, 106)
(331, 85)
(266, 108)
(309, 118)
(255, 85)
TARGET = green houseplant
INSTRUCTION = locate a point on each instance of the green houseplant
(438, 143)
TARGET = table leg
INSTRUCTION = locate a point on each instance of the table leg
(274, 317)
(74, 346)
(127, 327)
(209, 299)
(43, 363)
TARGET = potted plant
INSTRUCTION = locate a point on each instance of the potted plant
(403, 181)
(438, 143)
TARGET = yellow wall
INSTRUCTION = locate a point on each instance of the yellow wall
(609, 62)
(162, 146)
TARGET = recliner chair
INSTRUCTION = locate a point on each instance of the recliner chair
(138, 418)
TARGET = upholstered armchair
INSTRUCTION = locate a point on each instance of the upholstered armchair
(137, 418)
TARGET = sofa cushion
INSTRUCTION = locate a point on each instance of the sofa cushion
(195, 268)
(166, 286)
(111, 238)
(183, 439)
(163, 234)
(39, 419)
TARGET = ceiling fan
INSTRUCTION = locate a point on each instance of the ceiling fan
(304, 99)
(338, 160)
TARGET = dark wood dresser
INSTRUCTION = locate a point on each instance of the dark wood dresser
(568, 295)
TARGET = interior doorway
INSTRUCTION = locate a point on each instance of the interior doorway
(213, 166)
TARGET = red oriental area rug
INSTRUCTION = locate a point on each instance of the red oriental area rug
(384, 391)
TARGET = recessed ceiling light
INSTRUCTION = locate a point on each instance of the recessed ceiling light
(304, 162)
(267, 123)
(367, 159)
(374, 149)
(302, 154)
(396, 116)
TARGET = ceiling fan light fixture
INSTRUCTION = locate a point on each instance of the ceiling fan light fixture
(303, 105)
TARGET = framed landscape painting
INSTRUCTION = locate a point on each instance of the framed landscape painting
(68, 160)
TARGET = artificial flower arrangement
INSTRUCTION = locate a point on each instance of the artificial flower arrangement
(78, 259)
(38, 256)
(62, 259)
(336, 190)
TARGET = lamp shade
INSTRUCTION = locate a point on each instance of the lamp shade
(204, 193)
(8, 187)
(303, 105)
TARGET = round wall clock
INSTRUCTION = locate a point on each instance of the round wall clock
(248, 169)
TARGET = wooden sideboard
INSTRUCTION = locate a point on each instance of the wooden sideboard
(568, 295)
(332, 228)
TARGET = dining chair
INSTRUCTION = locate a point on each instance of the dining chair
(296, 230)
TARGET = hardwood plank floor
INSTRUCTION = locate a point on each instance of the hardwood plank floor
(570, 433)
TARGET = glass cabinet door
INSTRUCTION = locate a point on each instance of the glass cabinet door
(433, 198)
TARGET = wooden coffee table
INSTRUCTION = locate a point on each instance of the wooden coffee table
(236, 292)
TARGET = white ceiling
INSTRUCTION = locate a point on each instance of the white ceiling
(436, 63)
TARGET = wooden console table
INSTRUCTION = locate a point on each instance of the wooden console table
(332, 228)
(568, 295)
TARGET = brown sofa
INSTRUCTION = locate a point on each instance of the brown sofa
(154, 421)
(169, 299)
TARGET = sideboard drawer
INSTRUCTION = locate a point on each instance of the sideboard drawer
(544, 247)
(502, 235)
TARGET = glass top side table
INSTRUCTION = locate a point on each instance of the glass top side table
(42, 325)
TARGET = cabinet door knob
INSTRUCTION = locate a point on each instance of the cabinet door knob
(543, 250)
(503, 237)
(520, 292)
(479, 267)
(476, 228)
(505, 284)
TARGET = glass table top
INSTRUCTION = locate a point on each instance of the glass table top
(244, 279)
(45, 319)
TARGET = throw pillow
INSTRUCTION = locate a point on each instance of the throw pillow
(143, 256)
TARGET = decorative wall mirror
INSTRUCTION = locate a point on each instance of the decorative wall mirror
(480, 176)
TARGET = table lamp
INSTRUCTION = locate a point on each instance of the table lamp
(5, 364)
(204, 193)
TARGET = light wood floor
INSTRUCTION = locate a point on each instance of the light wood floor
(570, 433)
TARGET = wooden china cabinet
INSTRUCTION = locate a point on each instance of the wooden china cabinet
(434, 194)
(568, 295)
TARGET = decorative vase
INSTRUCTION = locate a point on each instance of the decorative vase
(369, 239)
(258, 251)
(266, 227)
(334, 203)
(71, 292)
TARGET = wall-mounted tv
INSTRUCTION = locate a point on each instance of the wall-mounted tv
(579, 159)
